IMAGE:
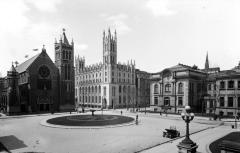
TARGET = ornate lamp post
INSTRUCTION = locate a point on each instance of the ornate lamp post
(187, 145)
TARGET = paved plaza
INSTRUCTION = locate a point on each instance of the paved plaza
(22, 134)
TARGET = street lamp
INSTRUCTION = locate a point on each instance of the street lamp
(187, 145)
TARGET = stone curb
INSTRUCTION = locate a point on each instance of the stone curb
(208, 145)
(44, 123)
(171, 140)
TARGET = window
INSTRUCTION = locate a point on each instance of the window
(104, 91)
(113, 91)
(222, 85)
(180, 101)
(230, 113)
(209, 87)
(214, 86)
(211, 104)
(230, 84)
(166, 101)
(120, 100)
(155, 100)
(124, 89)
(167, 88)
(238, 102)
(230, 101)
(156, 89)
(221, 101)
(180, 87)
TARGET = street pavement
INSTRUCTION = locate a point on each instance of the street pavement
(22, 134)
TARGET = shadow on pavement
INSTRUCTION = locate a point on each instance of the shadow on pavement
(11, 142)
(3, 148)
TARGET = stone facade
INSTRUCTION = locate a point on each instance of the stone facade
(175, 87)
(223, 92)
(38, 85)
(64, 61)
(107, 84)
(142, 88)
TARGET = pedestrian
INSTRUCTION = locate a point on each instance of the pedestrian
(121, 112)
(136, 119)
(160, 113)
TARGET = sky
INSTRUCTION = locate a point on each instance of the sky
(155, 33)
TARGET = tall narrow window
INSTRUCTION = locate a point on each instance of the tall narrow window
(156, 89)
(230, 84)
(120, 100)
(155, 100)
(221, 101)
(104, 91)
(166, 101)
(180, 101)
(167, 87)
(230, 101)
(238, 102)
(180, 87)
(222, 85)
(209, 87)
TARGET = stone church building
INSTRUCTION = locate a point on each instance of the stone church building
(107, 84)
(39, 85)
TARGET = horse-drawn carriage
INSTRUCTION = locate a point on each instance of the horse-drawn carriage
(171, 133)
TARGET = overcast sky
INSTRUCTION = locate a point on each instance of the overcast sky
(155, 33)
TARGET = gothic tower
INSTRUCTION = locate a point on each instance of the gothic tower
(12, 91)
(109, 56)
(207, 62)
(110, 48)
(64, 60)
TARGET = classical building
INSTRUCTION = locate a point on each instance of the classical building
(177, 86)
(107, 84)
(223, 92)
(207, 90)
(39, 85)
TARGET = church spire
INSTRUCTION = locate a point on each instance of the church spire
(65, 40)
(207, 62)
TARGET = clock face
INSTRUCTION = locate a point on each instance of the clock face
(44, 71)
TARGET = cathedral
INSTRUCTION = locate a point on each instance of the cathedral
(38, 85)
(107, 84)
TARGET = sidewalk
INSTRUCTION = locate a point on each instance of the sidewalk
(203, 139)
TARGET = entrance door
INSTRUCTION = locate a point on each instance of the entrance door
(23, 108)
(47, 107)
(41, 107)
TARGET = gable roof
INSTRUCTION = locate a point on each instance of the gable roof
(25, 65)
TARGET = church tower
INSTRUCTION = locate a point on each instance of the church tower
(207, 62)
(12, 91)
(64, 60)
(109, 48)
